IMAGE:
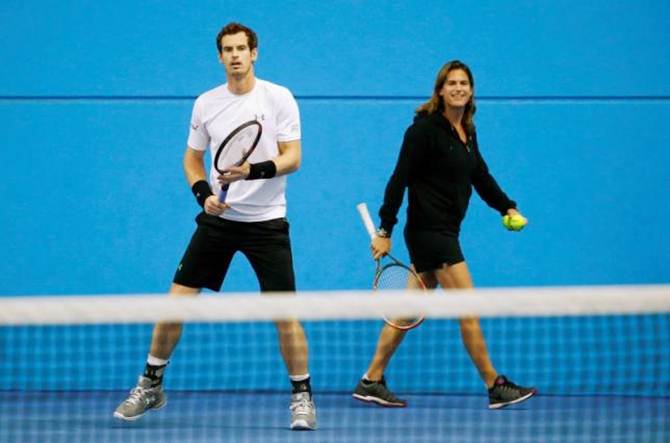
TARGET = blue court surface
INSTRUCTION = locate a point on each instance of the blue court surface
(207, 416)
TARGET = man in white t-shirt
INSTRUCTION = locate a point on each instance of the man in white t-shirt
(251, 220)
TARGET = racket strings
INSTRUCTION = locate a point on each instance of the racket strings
(395, 277)
(236, 150)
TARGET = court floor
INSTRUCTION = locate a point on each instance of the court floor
(253, 417)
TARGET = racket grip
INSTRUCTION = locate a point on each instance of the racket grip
(367, 220)
(223, 193)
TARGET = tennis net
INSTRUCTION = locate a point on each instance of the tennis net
(599, 356)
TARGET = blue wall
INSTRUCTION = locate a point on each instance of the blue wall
(95, 99)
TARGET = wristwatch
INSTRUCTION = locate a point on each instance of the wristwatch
(381, 232)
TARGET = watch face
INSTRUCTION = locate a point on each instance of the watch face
(381, 232)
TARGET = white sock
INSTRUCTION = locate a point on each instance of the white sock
(299, 377)
(155, 361)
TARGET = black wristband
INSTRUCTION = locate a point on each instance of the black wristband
(201, 190)
(266, 169)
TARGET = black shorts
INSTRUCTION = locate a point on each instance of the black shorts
(429, 250)
(266, 245)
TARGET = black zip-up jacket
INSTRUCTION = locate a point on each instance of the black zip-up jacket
(439, 171)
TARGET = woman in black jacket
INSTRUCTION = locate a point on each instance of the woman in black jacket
(439, 163)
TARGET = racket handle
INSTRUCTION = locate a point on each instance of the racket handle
(223, 193)
(367, 220)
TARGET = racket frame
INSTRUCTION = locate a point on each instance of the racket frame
(245, 156)
(370, 228)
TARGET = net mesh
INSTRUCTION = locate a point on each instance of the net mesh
(599, 356)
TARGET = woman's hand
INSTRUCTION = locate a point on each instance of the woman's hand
(514, 221)
(380, 246)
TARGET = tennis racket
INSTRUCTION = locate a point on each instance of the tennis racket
(235, 149)
(392, 275)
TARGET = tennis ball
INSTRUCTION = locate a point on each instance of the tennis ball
(514, 222)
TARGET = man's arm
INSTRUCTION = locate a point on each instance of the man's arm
(194, 169)
(288, 161)
(290, 155)
(194, 165)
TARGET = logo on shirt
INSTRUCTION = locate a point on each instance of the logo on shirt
(259, 117)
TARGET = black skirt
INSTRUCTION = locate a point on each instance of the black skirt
(430, 250)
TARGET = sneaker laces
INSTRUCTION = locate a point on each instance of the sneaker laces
(389, 395)
(137, 395)
(302, 404)
(508, 386)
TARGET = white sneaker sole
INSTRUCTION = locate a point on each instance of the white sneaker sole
(302, 425)
(379, 401)
(136, 417)
(518, 400)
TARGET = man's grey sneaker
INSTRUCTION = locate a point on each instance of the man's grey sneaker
(303, 412)
(142, 398)
(505, 393)
(377, 392)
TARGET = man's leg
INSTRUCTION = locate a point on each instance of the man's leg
(164, 339)
(272, 262)
(166, 335)
(293, 346)
(204, 264)
(148, 394)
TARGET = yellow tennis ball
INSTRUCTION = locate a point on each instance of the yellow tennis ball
(514, 222)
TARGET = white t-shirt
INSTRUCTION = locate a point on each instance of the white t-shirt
(217, 112)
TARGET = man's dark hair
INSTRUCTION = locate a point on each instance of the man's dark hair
(235, 28)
